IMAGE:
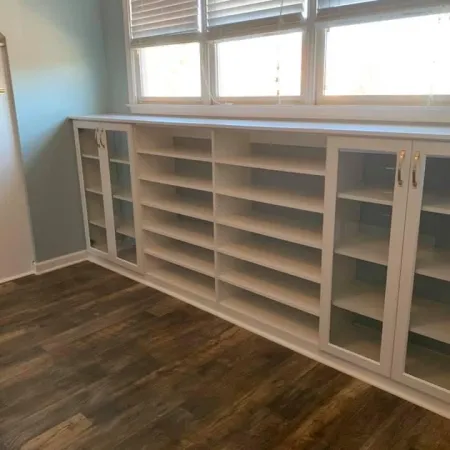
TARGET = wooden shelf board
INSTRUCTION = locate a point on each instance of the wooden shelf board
(88, 156)
(307, 267)
(428, 365)
(293, 164)
(94, 190)
(127, 254)
(431, 319)
(102, 247)
(198, 234)
(366, 247)
(191, 208)
(380, 196)
(359, 340)
(99, 222)
(179, 153)
(288, 320)
(127, 229)
(363, 299)
(288, 230)
(123, 195)
(433, 263)
(186, 280)
(288, 293)
(436, 203)
(180, 181)
(120, 161)
(280, 197)
(201, 261)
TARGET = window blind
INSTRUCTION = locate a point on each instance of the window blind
(229, 12)
(151, 18)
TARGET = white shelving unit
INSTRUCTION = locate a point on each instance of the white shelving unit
(335, 246)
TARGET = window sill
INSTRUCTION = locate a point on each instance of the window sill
(409, 114)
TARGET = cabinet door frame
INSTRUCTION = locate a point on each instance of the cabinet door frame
(414, 209)
(335, 144)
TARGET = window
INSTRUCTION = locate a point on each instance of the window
(291, 51)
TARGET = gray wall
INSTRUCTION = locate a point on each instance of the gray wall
(114, 36)
(58, 65)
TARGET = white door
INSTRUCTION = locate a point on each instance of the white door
(422, 344)
(365, 205)
(17, 251)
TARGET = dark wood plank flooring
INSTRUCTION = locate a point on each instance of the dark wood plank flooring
(92, 360)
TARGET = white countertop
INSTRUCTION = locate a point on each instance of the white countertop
(433, 132)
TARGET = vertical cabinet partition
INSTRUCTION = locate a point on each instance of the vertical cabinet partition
(367, 187)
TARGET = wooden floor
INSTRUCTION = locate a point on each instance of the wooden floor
(92, 360)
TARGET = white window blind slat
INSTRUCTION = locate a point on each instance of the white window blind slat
(380, 4)
(227, 12)
(151, 18)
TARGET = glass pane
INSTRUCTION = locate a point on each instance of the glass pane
(389, 58)
(171, 70)
(361, 252)
(119, 168)
(428, 355)
(266, 66)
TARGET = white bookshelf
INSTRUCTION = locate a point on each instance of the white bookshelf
(369, 194)
(270, 313)
(192, 154)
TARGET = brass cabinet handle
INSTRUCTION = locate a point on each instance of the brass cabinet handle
(2, 91)
(102, 142)
(400, 167)
(414, 171)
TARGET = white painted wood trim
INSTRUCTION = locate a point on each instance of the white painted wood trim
(16, 277)
(296, 345)
(411, 236)
(61, 262)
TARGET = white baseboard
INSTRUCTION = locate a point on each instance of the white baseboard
(60, 262)
(16, 277)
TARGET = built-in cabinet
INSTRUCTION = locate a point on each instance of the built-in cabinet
(338, 244)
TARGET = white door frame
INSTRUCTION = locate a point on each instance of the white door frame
(23, 227)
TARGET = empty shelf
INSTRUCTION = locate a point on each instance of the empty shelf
(278, 287)
(185, 280)
(88, 156)
(436, 203)
(280, 197)
(428, 365)
(431, 319)
(381, 196)
(190, 182)
(285, 319)
(124, 195)
(127, 229)
(192, 208)
(94, 189)
(193, 233)
(193, 154)
(184, 255)
(366, 247)
(293, 164)
(100, 222)
(119, 160)
(361, 298)
(304, 263)
(127, 254)
(281, 228)
(359, 340)
(434, 263)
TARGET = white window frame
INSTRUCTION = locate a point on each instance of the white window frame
(312, 103)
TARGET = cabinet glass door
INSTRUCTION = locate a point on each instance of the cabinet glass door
(93, 191)
(122, 199)
(365, 205)
(423, 340)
